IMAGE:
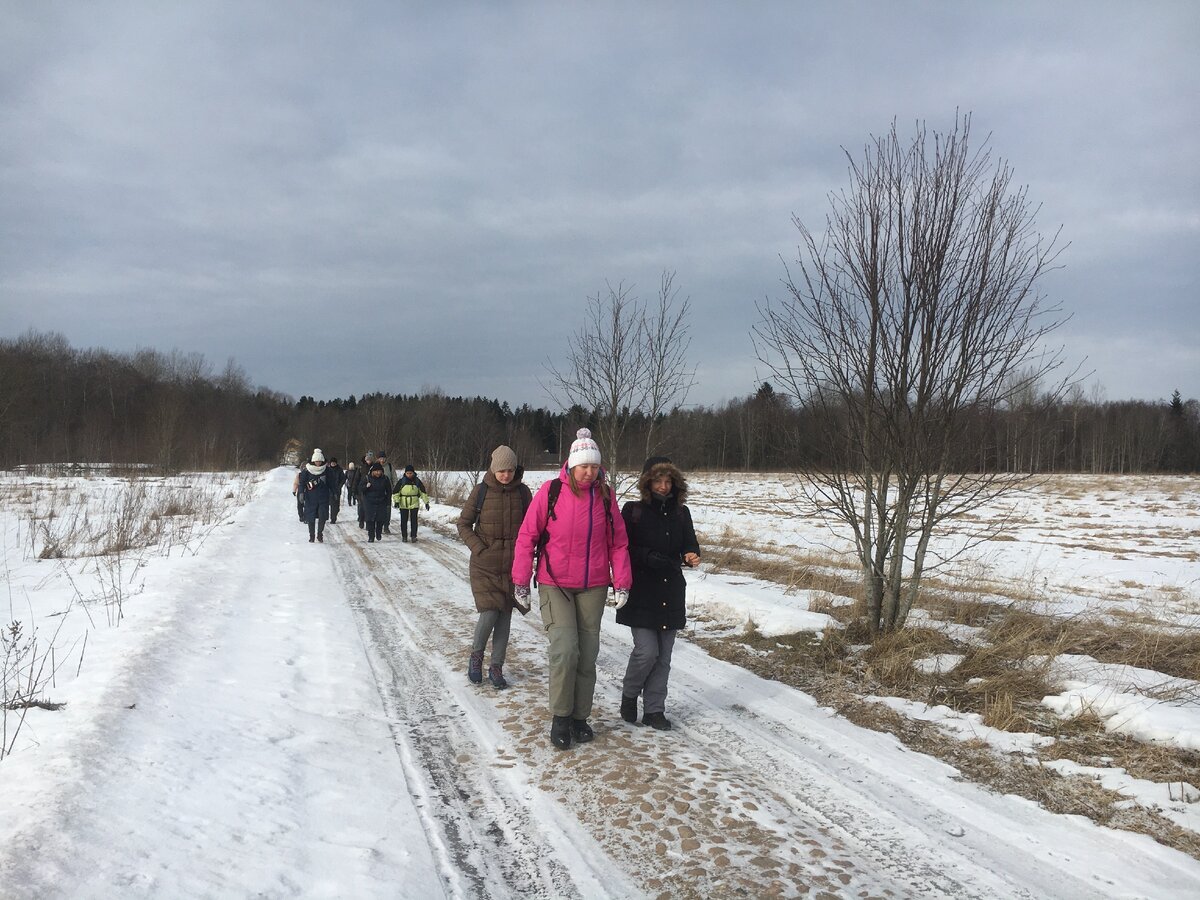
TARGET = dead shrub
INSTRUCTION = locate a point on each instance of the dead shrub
(960, 608)
(890, 657)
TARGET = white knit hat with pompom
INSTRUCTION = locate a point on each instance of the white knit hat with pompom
(584, 451)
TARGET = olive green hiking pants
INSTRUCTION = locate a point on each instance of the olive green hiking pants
(572, 622)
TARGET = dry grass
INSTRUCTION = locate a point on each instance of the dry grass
(735, 553)
(837, 677)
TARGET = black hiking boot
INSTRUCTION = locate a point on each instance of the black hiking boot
(581, 731)
(496, 677)
(560, 732)
(657, 721)
(629, 708)
(475, 668)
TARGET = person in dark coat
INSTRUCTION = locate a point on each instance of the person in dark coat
(313, 484)
(661, 541)
(390, 471)
(375, 501)
(353, 473)
(368, 460)
(336, 476)
(488, 524)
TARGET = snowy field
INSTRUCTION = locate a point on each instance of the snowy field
(246, 714)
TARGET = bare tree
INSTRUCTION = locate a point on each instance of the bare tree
(916, 314)
(666, 343)
(626, 361)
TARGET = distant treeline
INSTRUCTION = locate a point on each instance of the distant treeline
(60, 404)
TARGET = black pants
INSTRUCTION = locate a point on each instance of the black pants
(335, 504)
(374, 528)
(315, 515)
(405, 516)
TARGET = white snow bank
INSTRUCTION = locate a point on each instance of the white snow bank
(740, 602)
(1140, 717)
(1178, 801)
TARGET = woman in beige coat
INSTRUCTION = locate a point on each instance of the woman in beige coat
(488, 524)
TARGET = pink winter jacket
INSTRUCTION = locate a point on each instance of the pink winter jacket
(581, 551)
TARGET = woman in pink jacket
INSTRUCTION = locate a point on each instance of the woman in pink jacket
(580, 549)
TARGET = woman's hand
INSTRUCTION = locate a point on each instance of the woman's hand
(691, 559)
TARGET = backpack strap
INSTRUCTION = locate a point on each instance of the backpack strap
(480, 494)
(539, 548)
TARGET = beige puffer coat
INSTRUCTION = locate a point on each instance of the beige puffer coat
(491, 537)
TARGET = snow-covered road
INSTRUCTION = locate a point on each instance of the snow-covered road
(296, 721)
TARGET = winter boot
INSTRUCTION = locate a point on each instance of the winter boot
(496, 677)
(657, 721)
(321, 538)
(629, 708)
(404, 538)
(475, 668)
(560, 732)
(581, 731)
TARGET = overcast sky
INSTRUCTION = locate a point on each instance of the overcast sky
(352, 197)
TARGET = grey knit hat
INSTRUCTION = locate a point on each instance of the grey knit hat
(503, 457)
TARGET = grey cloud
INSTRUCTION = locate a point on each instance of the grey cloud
(226, 179)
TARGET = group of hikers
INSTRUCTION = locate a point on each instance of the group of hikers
(567, 542)
(374, 487)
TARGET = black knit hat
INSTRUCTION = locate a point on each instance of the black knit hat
(654, 461)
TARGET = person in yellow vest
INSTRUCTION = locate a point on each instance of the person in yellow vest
(409, 494)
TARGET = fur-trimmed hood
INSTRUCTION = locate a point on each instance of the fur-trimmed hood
(663, 468)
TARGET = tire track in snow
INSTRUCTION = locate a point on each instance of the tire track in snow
(478, 820)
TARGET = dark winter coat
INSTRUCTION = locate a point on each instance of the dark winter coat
(660, 533)
(362, 469)
(353, 477)
(492, 534)
(316, 488)
(336, 476)
(376, 495)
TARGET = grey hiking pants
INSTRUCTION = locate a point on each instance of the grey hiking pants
(572, 622)
(649, 667)
(495, 624)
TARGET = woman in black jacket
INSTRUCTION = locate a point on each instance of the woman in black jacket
(661, 541)
(314, 487)
(374, 499)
